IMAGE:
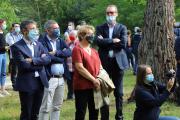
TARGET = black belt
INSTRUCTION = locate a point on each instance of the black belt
(56, 76)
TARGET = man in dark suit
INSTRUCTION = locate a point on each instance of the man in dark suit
(111, 38)
(58, 51)
(30, 58)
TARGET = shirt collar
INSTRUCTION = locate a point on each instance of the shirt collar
(15, 34)
(51, 39)
(111, 26)
(28, 42)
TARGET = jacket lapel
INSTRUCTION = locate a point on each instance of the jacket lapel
(106, 30)
(57, 44)
(24, 48)
(36, 50)
(115, 30)
(48, 44)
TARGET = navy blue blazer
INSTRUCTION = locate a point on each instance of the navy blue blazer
(26, 70)
(106, 44)
(148, 99)
(62, 53)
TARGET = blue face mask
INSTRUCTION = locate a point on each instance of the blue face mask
(56, 33)
(33, 35)
(149, 78)
(17, 29)
(110, 19)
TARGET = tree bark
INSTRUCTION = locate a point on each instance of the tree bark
(157, 45)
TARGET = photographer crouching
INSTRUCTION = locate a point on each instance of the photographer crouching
(150, 95)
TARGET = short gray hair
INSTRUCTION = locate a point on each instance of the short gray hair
(49, 23)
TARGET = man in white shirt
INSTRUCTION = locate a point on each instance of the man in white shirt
(12, 37)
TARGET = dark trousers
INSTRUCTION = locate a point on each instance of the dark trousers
(13, 70)
(104, 112)
(117, 77)
(136, 63)
(130, 56)
(70, 87)
(84, 98)
(30, 104)
(177, 90)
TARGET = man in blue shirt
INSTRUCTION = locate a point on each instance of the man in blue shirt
(59, 51)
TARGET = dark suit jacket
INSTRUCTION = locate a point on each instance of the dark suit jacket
(107, 44)
(62, 53)
(26, 70)
(177, 51)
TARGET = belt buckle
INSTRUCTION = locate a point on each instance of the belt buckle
(56, 76)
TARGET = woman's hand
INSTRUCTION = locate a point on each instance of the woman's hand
(96, 83)
(170, 84)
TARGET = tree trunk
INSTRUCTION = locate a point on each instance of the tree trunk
(157, 46)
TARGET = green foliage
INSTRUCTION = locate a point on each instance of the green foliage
(7, 12)
(177, 10)
(131, 12)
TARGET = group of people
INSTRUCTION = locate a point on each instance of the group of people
(40, 66)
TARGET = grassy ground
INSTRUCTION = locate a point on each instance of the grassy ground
(10, 107)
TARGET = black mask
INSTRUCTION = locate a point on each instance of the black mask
(90, 38)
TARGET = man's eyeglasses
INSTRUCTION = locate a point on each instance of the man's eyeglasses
(110, 12)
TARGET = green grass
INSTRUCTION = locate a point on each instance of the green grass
(10, 107)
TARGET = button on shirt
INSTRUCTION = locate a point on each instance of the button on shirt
(56, 69)
(31, 47)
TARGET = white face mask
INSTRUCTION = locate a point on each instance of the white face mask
(110, 19)
(70, 27)
(4, 26)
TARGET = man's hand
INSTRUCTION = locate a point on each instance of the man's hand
(7, 47)
(100, 37)
(29, 60)
(52, 52)
(116, 40)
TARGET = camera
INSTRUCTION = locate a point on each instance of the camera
(171, 74)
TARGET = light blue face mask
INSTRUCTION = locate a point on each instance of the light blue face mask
(149, 78)
(4, 26)
(17, 29)
(110, 19)
(33, 35)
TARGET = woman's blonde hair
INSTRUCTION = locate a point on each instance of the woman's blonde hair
(84, 30)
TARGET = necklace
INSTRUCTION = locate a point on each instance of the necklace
(87, 49)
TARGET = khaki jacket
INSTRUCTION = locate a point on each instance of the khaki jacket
(101, 97)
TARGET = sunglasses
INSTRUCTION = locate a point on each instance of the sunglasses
(110, 12)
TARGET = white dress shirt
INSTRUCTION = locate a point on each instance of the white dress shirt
(58, 68)
(31, 47)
